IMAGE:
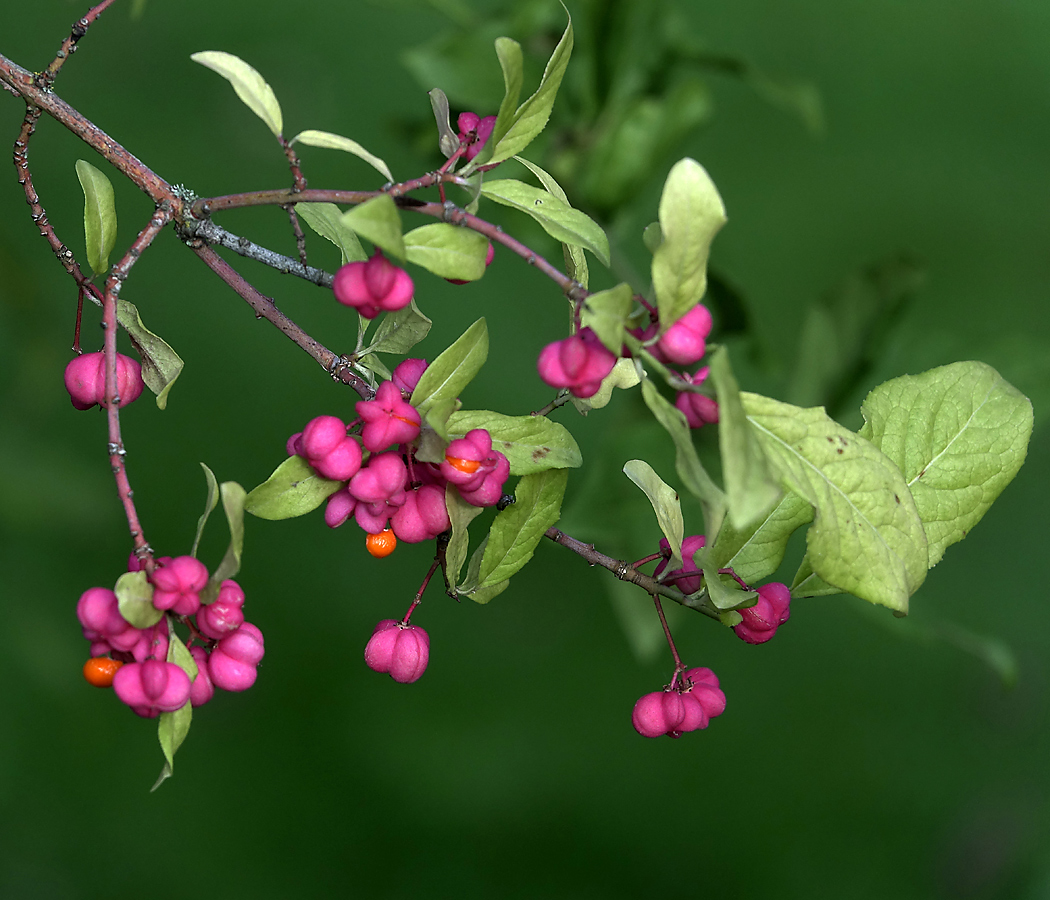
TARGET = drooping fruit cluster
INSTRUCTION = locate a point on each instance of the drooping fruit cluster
(689, 706)
(398, 649)
(689, 578)
(140, 662)
(85, 379)
(389, 487)
(373, 286)
(771, 610)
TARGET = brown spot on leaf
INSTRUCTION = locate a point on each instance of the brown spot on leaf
(539, 453)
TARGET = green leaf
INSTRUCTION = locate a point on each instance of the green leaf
(337, 142)
(233, 501)
(377, 220)
(665, 503)
(867, 537)
(135, 599)
(437, 418)
(575, 259)
(180, 655)
(460, 514)
(557, 218)
(172, 730)
(484, 594)
(750, 488)
(327, 220)
(623, 375)
(687, 463)
(722, 590)
(373, 365)
(530, 443)
(209, 505)
(513, 132)
(448, 140)
(400, 330)
(652, 237)
(959, 433)
(520, 527)
(448, 251)
(160, 364)
(691, 213)
(606, 312)
(294, 489)
(757, 551)
(250, 86)
(454, 369)
(100, 216)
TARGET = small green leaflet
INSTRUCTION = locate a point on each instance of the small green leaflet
(327, 220)
(294, 489)
(209, 505)
(691, 214)
(460, 514)
(959, 433)
(575, 259)
(448, 140)
(250, 86)
(233, 501)
(665, 503)
(447, 251)
(377, 220)
(400, 330)
(530, 443)
(867, 538)
(160, 364)
(623, 375)
(135, 599)
(606, 313)
(100, 216)
(454, 369)
(520, 527)
(557, 218)
(337, 142)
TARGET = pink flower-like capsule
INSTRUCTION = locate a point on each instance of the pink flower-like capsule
(389, 419)
(373, 286)
(225, 614)
(477, 471)
(422, 517)
(658, 713)
(771, 610)
(474, 132)
(689, 583)
(406, 375)
(579, 362)
(152, 687)
(177, 585)
(325, 445)
(402, 651)
(99, 613)
(339, 508)
(698, 409)
(201, 689)
(705, 691)
(383, 479)
(685, 342)
(232, 663)
(85, 379)
(152, 642)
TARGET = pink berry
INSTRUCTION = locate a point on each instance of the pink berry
(152, 687)
(423, 515)
(685, 342)
(407, 373)
(177, 585)
(389, 419)
(686, 582)
(373, 286)
(771, 610)
(658, 713)
(579, 362)
(201, 690)
(85, 379)
(225, 614)
(402, 651)
(474, 132)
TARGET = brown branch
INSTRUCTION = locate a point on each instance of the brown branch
(47, 78)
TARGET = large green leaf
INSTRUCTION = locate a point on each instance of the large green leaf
(454, 369)
(160, 364)
(250, 86)
(520, 527)
(530, 443)
(959, 433)
(691, 213)
(750, 488)
(556, 217)
(448, 251)
(294, 489)
(377, 220)
(100, 216)
(756, 551)
(867, 538)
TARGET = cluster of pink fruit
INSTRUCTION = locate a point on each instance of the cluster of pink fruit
(135, 660)
(674, 711)
(391, 487)
(581, 361)
(86, 380)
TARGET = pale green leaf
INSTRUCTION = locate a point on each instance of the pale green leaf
(294, 489)
(557, 218)
(448, 251)
(250, 86)
(460, 514)
(448, 140)
(400, 330)
(665, 503)
(867, 537)
(377, 220)
(530, 443)
(959, 433)
(100, 216)
(327, 220)
(454, 369)
(691, 213)
(575, 259)
(135, 599)
(623, 375)
(209, 505)
(233, 503)
(160, 364)
(757, 551)
(180, 655)
(520, 527)
(171, 731)
(337, 142)
(606, 313)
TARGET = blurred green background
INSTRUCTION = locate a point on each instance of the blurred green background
(860, 756)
